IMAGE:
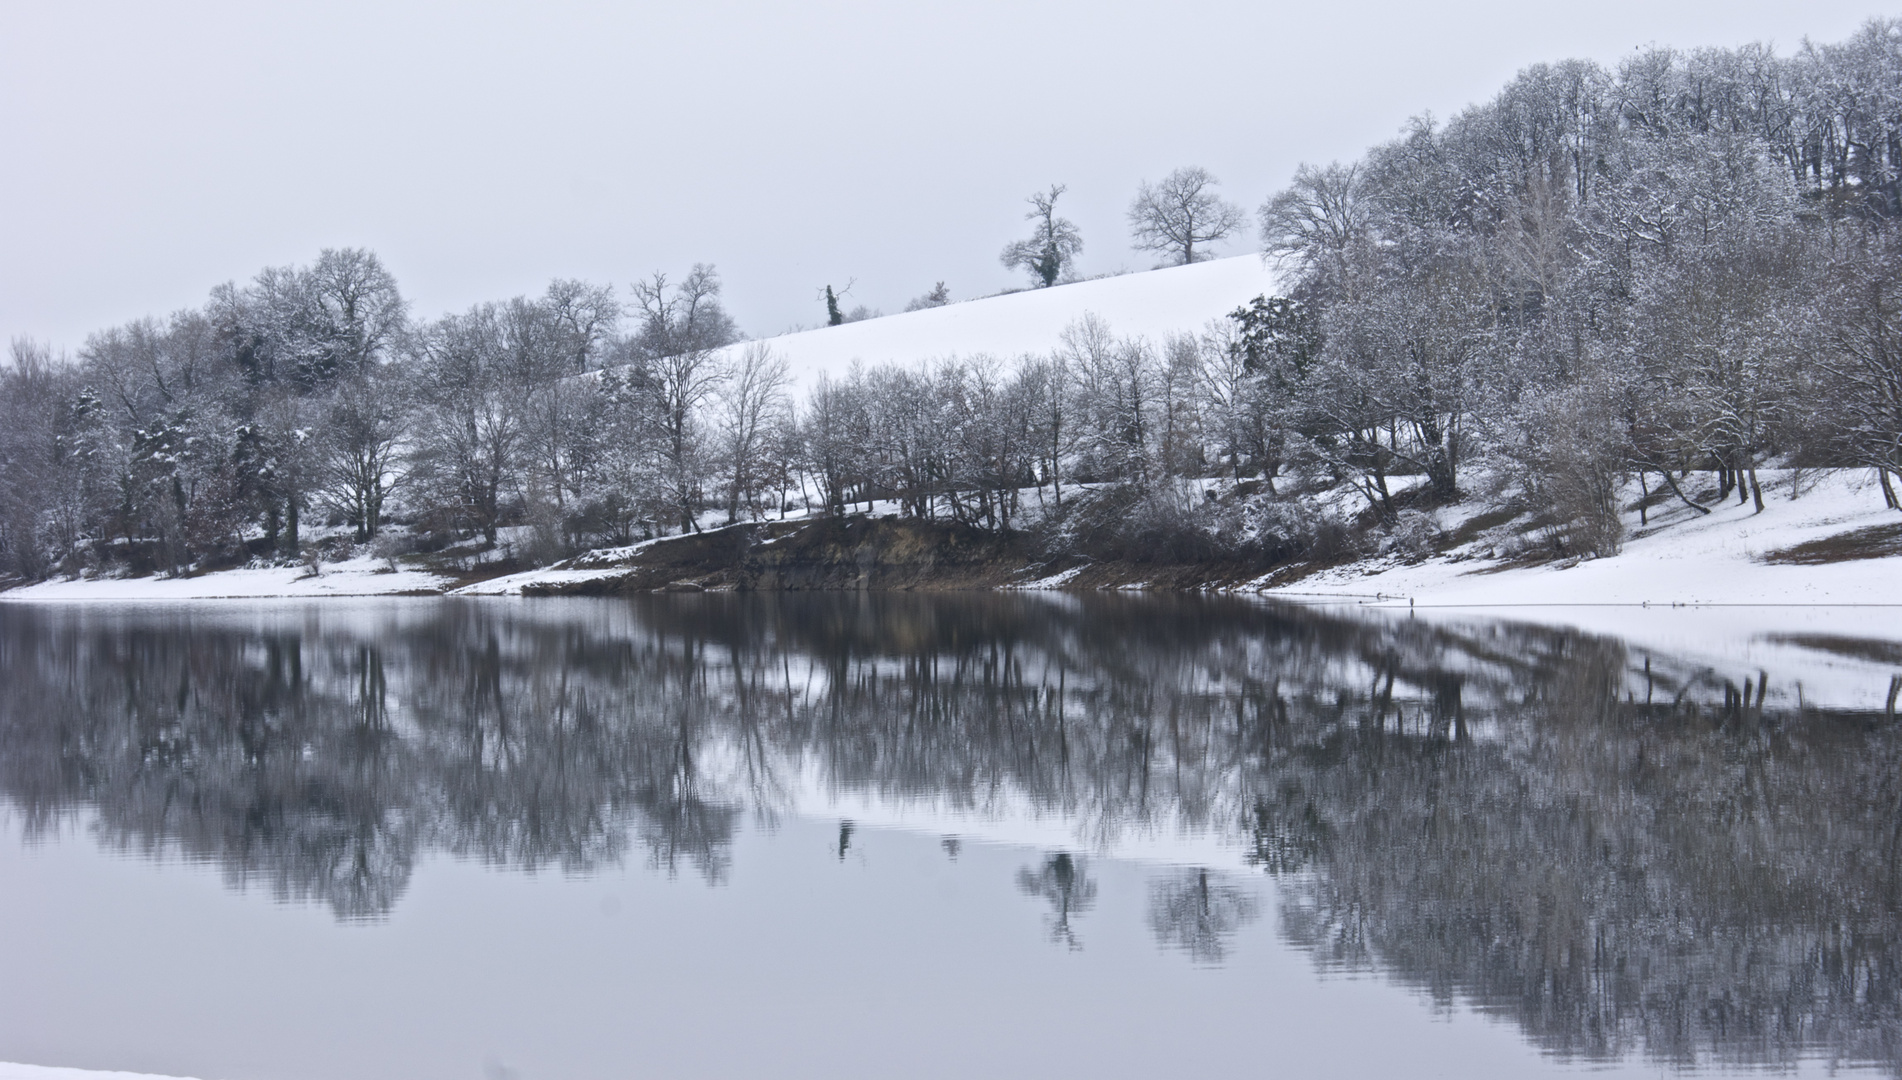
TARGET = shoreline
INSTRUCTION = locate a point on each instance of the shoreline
(1833, 546)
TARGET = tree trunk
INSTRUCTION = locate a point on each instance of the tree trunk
(1056, 479)
(290, 526)
(1679, 492)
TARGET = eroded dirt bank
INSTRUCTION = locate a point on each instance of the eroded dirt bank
(855, 553)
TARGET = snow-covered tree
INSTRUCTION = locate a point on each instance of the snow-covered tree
(1052, 245)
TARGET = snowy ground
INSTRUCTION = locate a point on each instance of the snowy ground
(10, 1071)
(355, 577)
(1688, 586)
(1152, 304)
(1680, 558)
(511, 585)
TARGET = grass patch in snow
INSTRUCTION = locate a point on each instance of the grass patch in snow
(1874, 542)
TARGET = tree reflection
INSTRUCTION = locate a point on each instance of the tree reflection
(1064, 883)
(1198, 915)
(1623, 852)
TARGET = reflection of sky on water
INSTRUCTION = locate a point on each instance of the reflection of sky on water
(920, 836)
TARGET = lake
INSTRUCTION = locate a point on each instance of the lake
(897, 835)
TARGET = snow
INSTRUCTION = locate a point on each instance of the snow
(9, 1071)
(1152, 304)
(1689, 587)
(511, 585)
(1681, 558)
(353, 577)
(1055, 581)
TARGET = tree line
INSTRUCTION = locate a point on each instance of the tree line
(1690, 263)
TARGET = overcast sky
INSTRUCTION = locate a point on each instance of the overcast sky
(149, 151)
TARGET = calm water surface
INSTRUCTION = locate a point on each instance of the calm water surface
(898, 836)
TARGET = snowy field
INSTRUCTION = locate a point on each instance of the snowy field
(1152, 304)
(353, 577)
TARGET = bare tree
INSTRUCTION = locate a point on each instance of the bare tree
(1316, 222)
(1859, 367)
(30, 457)
(1044, 382)
(836, 436)
(354, 309)
(751, 404)
(359, 455)
(678, 342)
(1113, 388)
(1182, 213)
(1051, 247)
(556, 338)
(469, 435)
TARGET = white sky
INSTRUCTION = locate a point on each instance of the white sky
(149, 151)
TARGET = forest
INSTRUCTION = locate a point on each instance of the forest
(1691, 264)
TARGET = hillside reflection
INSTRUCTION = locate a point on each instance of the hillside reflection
(1622, 854)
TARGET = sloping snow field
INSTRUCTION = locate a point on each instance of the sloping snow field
(1152, 304)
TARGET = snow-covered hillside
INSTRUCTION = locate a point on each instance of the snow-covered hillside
(1677, 557)
(1152, 304)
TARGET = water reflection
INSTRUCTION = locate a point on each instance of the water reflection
(1621, 853)
(1065, 884)
(1198, 912)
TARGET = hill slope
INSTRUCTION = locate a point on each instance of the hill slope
(1151, 304)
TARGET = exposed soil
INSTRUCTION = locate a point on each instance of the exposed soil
(870, 553)
(849, 553)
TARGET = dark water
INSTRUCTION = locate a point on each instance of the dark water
(923, 836)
